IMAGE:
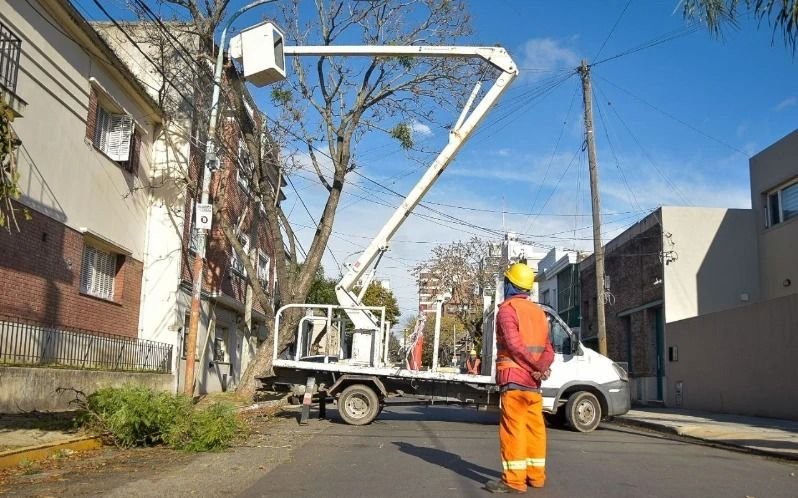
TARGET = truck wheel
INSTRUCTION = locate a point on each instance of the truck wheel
(583, 411)
(358, 405)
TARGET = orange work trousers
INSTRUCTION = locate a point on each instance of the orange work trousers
(522, 437)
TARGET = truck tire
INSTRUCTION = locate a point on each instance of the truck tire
(583, 411)
(358, 405)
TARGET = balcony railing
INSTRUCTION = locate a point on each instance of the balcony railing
(10, 48)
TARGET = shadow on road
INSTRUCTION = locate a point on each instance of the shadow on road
(450, 461)
(440, 414)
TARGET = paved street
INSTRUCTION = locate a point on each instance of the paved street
(413, 451)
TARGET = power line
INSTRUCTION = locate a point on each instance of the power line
(302, 201)
(143, 53)
(671, 116)
(646, 154)
(633, 197)
(612, 30)
(553, 154)
(664, 38)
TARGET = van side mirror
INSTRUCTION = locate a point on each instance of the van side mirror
(574, 343)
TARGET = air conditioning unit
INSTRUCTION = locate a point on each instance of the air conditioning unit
(259, 49)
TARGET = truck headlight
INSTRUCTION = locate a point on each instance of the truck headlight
(621, 372)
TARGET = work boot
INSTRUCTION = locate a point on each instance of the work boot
(499, 486)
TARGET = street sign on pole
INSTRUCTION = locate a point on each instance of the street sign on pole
(204, 216)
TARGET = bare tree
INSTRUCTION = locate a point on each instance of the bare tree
(459, 270)
(326, 106)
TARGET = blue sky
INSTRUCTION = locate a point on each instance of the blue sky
(675, 124)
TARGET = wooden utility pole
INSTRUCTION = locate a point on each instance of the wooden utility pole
(598, 250)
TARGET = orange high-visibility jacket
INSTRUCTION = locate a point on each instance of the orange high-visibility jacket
(533, 327)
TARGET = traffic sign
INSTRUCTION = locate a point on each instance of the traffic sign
(204, 216)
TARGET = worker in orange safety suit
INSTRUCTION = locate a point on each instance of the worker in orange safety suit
(473, 363)
(524, 356)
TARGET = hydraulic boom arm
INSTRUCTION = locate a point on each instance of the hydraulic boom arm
(469, 118)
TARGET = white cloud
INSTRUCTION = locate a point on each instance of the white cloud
(421, 129)
(784, 104)
(542, 56)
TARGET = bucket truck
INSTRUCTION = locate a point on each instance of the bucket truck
(341, 352)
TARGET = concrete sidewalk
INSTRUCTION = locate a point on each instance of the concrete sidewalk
(763, 436)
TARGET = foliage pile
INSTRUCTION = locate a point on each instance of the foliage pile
(138, 416)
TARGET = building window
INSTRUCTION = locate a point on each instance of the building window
(97, 272)
(112, 131)
(264, 263)
(220, 345)
(244, 168)
(113, 134)
(545, 298)
(782, 204)
(235, 263)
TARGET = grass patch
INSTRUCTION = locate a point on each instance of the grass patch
(137, 416)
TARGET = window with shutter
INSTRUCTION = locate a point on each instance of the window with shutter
(97, 272)
(113, 134)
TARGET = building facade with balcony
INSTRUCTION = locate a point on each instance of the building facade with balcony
(87, 129)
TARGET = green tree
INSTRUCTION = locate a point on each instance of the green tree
(322, 289)
(781, 15)
(394, 349)
(377, 295)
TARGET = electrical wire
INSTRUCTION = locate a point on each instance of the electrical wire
(553, 154)
(612, 30)
(646, 154)
(671, 116)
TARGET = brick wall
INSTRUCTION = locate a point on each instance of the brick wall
(633, 268)
(238, 209)
(40, 280)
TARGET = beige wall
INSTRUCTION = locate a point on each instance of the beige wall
(738, 361)
(716, 260)
(62, 175)
(777, 245)
(28, 389)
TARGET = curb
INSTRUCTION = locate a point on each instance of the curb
(673, 431)
(13, 458)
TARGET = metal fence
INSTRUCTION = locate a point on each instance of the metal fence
(23, 342)
(10, 46)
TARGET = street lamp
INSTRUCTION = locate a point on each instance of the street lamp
(211, 164)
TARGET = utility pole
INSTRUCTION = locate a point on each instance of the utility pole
(598, 250)
(211, 164)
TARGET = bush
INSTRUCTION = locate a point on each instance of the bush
(137, 416)
(205, 430)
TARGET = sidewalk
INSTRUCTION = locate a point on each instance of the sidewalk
(763, 436)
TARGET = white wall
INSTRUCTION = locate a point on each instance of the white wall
(716, 265)
(161, 315)
(62, 175)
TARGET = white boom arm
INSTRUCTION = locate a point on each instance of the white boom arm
(465, 125)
